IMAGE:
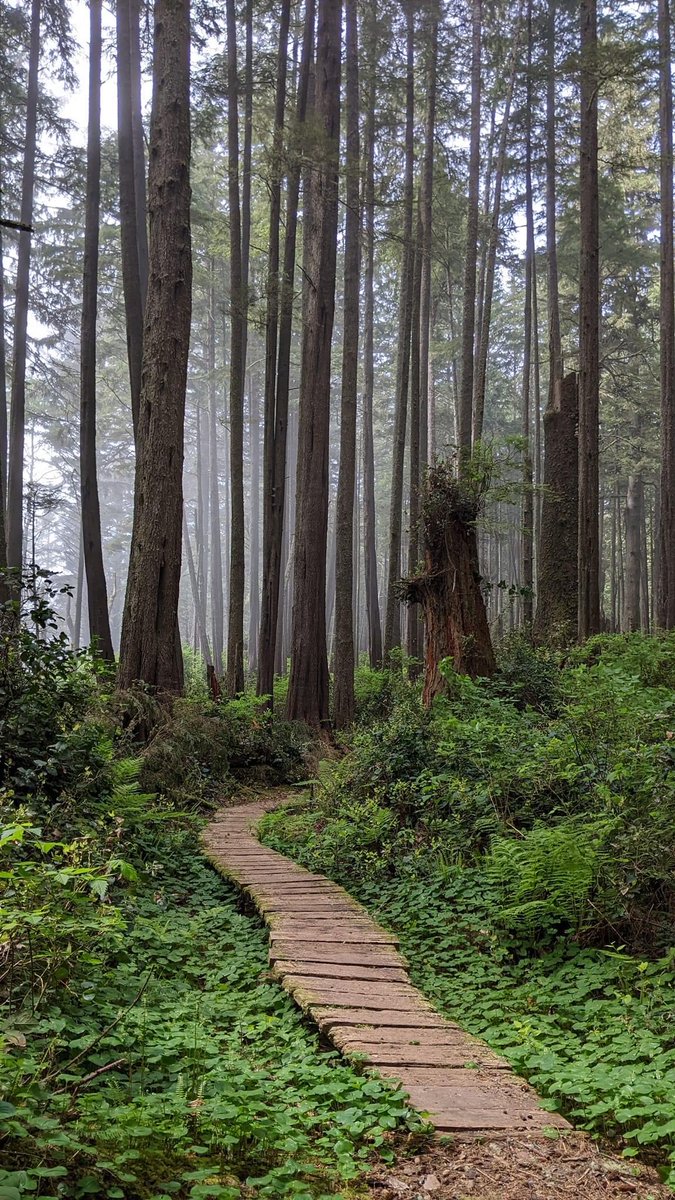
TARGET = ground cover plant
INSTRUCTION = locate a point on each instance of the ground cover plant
(516, 838)
(145, 1052)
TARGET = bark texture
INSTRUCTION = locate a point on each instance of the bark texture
(308, 687)
(557, 581)
(369, 512)
(17, 417)
(448, 589)
(343, 700)
(131, 159)
(97, 594)
(392, 624)
(278, 358)
(150, 638)
(665, 584)
(235, 621)
(471, 255)
(589, 333)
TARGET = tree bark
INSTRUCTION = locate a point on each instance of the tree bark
(235, 622)
(369, 512)
(527, 555)
(97, 593)
(308, 688)
(343, 699)
(471, 255)
(17, 419)
(448, 588)
(633, 519)
(493, 244)
(217, 611)
(131, 159)
(150, 626)
(254, 594)
(277, 390)
(665, 587)
(589, 333)
(412, 623)
(392, 625)
(557, 583)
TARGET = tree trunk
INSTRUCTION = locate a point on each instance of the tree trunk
(392, 625)
(17, 418)
(369, 513)
(554, 342)
(412, 623)
(343, 699)
(254, 595)
(589, 333)
(448, 588)
(527, 580)
(633, 518)
(132, 191)
(493, 243)
(471, 256)
(557, 584)
(308, 688)
(426, 213)
(665, 598)
(217, 611)
(97, 593)
(150, 625)
(197, 599)
(277, 393)
(235, 622)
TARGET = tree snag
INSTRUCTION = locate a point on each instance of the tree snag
(448, 589)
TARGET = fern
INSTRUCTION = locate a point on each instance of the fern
(550, 873)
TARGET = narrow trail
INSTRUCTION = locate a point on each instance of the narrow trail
(346, 972)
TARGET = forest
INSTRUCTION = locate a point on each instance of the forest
(337, 600)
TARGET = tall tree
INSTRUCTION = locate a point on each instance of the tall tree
(235, 622)
(471, 253)
(527, 549)
(344, 518)
(589, 331)
(97, 594)
(308, 688)
(556, 613)
(277, 389)
(17, 418)
(131, 160)
(665, 588)
(150, 640)
(369, 515)
(217, 613)
(392, 625)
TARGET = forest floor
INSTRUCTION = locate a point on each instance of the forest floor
(491, 1164)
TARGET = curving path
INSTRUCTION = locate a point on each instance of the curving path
(346, 972)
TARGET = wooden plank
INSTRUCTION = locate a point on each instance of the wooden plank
(333, 952)
(458, 1054)
(369, 974)
(285, 929)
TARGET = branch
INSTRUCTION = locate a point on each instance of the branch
(19, 225)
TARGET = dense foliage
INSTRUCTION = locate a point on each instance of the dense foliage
(145, 1052)
(518, 840)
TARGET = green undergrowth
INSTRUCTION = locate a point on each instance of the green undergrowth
(145, 1051)
(520, 840)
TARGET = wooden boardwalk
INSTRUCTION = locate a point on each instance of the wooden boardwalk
(346, 972)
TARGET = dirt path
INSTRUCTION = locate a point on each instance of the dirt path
(346, 972)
